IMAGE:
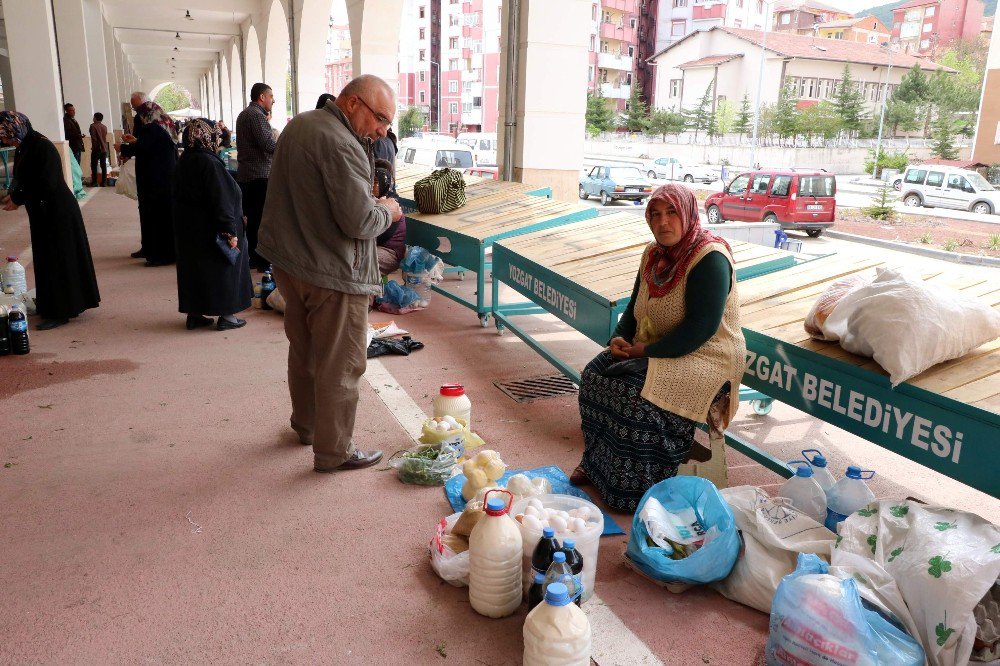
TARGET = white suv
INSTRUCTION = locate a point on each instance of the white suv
(949, 187)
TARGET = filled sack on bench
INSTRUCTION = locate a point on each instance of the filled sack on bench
(908, 325)
(828, 300)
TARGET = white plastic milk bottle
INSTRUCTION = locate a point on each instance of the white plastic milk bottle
(452, 401)
(495, 552)
(805, 493)
(556, 631)
(848, 495)
(821, 472)
(13, 275)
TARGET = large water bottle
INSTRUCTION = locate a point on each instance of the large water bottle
(560, 571)
(495, 552)
(13, 275)
(805, 492)
(556, 631)
(17, 323)
(848, 495)
(4, 331)
(820, 470)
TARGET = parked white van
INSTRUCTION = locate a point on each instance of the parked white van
(949, 187)
(436, 155)
(483, 145)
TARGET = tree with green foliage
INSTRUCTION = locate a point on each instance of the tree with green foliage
(886, 160)
(637, 114)
(966, 83)
(901, 115)
(700, 117)
(786, 114)
(820, 120)
(600, 116)
(744, 119)
(849, 103)
(173, 97)
(663, 122)
(913, 87)
(943, 138)
(881, 206)
(725, 116)
(410, 121)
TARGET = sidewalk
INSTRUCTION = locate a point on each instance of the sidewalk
(156, 507)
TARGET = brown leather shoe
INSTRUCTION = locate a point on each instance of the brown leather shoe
(358, 460)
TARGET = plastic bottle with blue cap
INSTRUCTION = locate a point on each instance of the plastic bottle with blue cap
(805, 492)
(560, 571)
(556, 631)
(848, 495)
(821, 471)
(495, 552)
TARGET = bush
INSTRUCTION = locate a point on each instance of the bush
(886, 161)
(950, 245)
(881, 208)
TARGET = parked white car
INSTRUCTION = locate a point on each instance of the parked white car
(949, 187)
(671, 168)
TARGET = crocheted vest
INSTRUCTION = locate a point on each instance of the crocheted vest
(687, 385)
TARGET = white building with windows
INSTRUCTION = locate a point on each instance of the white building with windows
(676, 19)
(730, 57)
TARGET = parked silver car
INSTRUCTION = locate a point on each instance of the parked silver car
(671, 168)
(949, 187)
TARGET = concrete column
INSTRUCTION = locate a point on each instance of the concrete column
(310, 20)
(100, 91)
(34, 68)
(8, 85)
(375, 37)
(115, 91)
(225, 94)
(549, 111)
(74, 57)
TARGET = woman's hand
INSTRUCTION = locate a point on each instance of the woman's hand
(619, 348)
(233, 242)
(8, 204)
(638, 350)
(128, 138)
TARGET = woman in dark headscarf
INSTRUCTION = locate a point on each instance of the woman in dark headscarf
(64, 270)
(208, 211)
(156, 156)
(676, 358)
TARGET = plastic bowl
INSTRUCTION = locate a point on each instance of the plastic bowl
(587, 543)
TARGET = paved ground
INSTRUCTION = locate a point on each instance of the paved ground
(154, 506)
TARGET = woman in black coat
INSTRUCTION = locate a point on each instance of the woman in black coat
(208, 211)
(155, 153)
(64, 270)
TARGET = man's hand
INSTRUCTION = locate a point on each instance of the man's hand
(619, 348)
(394, 210)
(9, 205)
(128, 138)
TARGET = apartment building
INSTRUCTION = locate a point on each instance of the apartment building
(925, 26)
(867, 30)
(614, 41)
(676, 19)
(802, 18)
(339, 64)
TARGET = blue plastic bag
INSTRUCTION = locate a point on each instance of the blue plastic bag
(714, 560)
(398, 296)
(418, 260)
(820, 619)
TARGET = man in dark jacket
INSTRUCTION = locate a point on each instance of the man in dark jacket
(319, 230)
(255, 144)
(72, 130)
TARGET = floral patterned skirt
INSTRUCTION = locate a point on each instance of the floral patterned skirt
(629, 443)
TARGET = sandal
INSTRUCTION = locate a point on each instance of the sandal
(579, 477)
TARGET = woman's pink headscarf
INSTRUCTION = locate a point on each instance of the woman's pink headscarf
(667, 265)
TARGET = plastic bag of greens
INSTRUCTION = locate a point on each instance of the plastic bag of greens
(429, 465)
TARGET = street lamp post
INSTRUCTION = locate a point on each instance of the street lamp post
(439, 110)
(760, 87)
(881, 119)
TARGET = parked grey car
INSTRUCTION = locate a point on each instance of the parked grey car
(612, 183)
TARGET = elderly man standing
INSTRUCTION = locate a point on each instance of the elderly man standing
(137, 100)
(319, 229)
(255, 142)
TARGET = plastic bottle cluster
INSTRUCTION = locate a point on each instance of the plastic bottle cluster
(814, 492)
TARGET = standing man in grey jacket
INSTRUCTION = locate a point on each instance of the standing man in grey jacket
(319, 228)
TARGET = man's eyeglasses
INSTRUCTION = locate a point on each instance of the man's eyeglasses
(385, 122)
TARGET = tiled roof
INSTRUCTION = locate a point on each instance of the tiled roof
(839, 50)
(915, 3)
(810, 4)
(710, 61)
(839, 24)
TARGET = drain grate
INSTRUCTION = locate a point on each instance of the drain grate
(537, 388)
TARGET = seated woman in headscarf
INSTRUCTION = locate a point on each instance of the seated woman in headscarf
(65, 282)
(156, 156)
(391, 244)
(208, 219)
(676, 358)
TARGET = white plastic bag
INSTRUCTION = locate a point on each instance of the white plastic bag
(125, 185)
(928, 565)
(774, 533)
(28, 298)
(908, 326)
(452, 567)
